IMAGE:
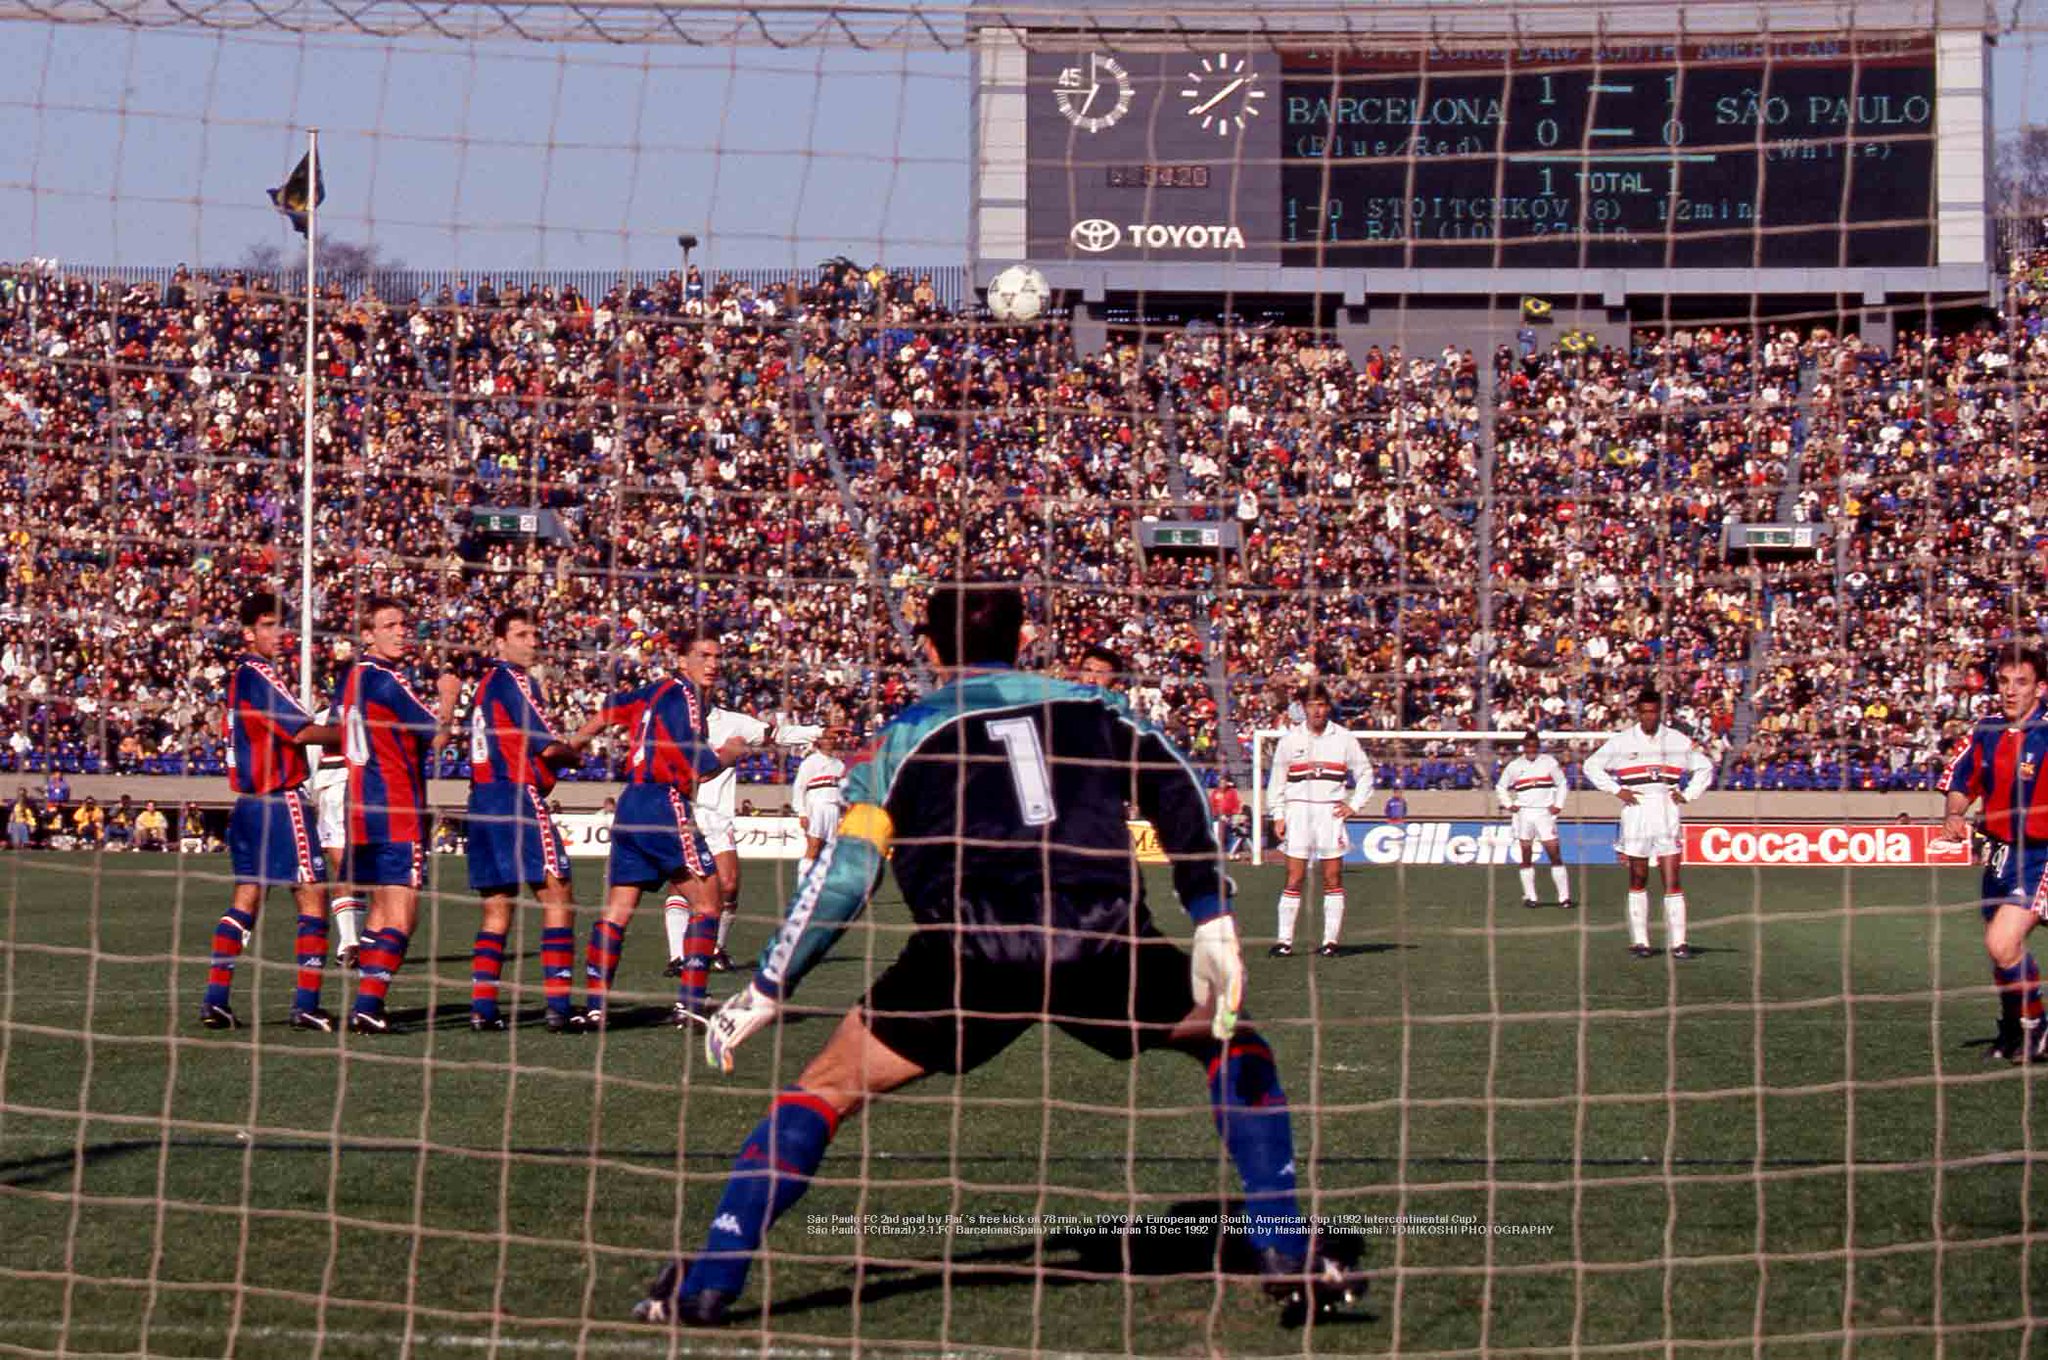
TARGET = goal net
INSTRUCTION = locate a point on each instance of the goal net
(1487, 364)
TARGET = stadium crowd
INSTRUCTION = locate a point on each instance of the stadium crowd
(792, 463)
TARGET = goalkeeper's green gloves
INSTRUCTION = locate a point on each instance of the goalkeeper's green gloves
(1219, 972)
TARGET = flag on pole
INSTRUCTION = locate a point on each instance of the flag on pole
(293, 199)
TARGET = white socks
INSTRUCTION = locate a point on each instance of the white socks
(1333, 916)
(1674, 918)
(348, 922)
(676, 916)
(1528, 884)
(1290, 907)
(1561, 879)
(1639, 917)
(803, 868)
(725, 915)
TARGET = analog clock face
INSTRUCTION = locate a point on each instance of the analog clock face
(1094, 94)
(1223, 94)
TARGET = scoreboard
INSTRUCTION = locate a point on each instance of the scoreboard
(1782, 152)
(1738, 152)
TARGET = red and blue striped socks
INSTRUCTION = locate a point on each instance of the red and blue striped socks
(558, 966)
(601, 960)
(486, 967)
(700, 942)
(229, 937)
(312, 961)
(382, 955)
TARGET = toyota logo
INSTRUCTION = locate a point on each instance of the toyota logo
(1095, 235)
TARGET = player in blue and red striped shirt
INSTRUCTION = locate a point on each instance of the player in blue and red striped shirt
(655, 840)
(2002, 762)
(270, 835)
(513, 841)
(389, 735)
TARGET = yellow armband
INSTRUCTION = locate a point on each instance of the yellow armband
(867, 822)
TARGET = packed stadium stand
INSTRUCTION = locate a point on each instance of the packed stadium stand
(1457, 539)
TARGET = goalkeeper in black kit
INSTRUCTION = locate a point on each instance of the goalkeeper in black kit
(1000, 799)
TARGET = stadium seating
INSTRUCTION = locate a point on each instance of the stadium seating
(791, 462)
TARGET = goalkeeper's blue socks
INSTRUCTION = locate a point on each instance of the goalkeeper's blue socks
(1251, 1114)
(774, 1169)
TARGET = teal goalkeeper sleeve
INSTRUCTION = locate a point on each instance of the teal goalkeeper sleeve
(830, 898)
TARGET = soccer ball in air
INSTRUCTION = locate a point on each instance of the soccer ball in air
(1019, 293)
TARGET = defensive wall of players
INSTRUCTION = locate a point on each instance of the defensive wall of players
(1423, 804)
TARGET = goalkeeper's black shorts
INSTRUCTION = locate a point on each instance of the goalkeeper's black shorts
(951, 1012)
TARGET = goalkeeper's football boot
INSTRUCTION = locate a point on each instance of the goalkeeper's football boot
(1318, 1283)
(317, 1020)
(2010, 1045)
(1282, 950)
(1641, 951)
(674, 969)
(1684, 953)
(721, 962)
(664, 1303)
(218, 1017)
(1326, 950)
(347, 956)
(683, 1015)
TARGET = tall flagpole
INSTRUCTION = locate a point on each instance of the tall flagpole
(306, 424)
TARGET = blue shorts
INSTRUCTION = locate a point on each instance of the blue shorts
(655, 838)
(271, 840)
(388, 864)
(513, 839)
(2013, 874)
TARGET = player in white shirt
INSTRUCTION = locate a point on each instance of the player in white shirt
(1654, 770)
(715, 807)
(1320, 777)
(330, 801)
(1532, 791)
(817, 795)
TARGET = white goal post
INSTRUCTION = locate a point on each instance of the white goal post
(1373, 739)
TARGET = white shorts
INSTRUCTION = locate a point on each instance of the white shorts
(1315, 831)
(332, 803)
(716, 828)
(1534, 824)
(822, 821)
(1650, 829)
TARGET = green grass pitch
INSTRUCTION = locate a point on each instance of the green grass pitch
(1794, 1136)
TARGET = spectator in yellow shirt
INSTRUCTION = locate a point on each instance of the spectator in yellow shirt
(152, 828)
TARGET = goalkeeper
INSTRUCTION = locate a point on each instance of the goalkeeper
(1000, 798)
